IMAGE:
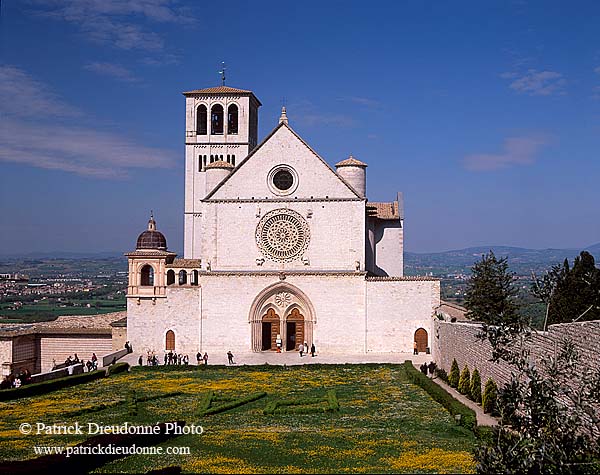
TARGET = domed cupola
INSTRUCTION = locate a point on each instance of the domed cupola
(151, 238)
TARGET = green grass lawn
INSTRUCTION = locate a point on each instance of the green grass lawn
(385, 424)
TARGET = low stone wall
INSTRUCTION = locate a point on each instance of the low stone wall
(458, 340)
(57, 373)
(108, 359)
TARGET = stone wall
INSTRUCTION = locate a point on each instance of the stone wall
(458, 340)
(58, 347)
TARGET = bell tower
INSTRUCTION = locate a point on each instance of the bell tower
(221, 129)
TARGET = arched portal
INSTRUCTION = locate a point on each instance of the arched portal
(288, 310)
(170, 341)
(421, 340)
(294, 330)
(170, 277)
(270, 330)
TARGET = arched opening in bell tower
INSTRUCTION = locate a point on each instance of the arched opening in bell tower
(232, 119)
(216, 120)
(201, 120)
(147, 276)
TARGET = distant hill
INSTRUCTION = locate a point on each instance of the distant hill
(521, 260)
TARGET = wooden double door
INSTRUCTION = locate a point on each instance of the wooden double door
(294, 330)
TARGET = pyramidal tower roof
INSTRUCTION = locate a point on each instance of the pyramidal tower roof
(220, 90)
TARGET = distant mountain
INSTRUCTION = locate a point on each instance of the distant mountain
(521, 260)
(63, 255)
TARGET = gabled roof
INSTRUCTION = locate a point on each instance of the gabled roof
(265, 140)
(220, 90)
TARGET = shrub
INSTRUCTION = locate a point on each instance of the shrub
(464, 384)
(233, 404)
(44, 387)
(475, 389)
(441, 373)
(132, 403)
(490, 394)
(118, 368)
(439, 394)
(454, 375)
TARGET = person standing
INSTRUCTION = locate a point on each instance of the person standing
(140, 360)
(198, 357)
(205, 358)
(230, 357)
(312, 350)
(415, 349)
(301, 349)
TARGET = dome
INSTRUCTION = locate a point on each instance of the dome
(151, 238)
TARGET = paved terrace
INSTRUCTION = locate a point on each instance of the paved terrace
(293, 358)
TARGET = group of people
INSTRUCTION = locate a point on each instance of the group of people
(303, 349)
(428, 368)
(90, 365)
(170, 358)
(16, 380)
(202, 359)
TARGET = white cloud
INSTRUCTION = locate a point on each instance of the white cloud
(363, 101)
(597, 70)
(23, 96)
(78, 150)
(517, 151)
(30, 134)
(113, 70)
(116, 22)
(537, 83)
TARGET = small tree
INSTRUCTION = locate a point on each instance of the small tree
(490, 295)
(464, 384)
(475, 389)
(490, 395)
(550, 411)
(454, 375)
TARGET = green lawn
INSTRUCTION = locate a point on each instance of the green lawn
(385, 424)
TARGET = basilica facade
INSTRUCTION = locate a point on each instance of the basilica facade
(279, 249)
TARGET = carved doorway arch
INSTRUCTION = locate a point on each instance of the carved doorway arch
(287, 309)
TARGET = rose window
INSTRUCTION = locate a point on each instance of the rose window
(282, 235)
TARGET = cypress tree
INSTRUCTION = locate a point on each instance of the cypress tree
(475, 389)
(454, 375)
(490, 394)
(490, 295)
(577, 292)
(464, 384)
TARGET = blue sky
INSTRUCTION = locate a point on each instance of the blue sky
(485, 114)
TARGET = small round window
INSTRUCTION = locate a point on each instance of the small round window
(283, 180)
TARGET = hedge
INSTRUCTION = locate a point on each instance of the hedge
(304, 405)
(118, 368)
(439, 394)
(233, 404)
(44, 387)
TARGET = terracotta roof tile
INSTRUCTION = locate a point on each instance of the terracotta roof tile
(219, 90)
(185, 263)
(219, 164)
(351, 162)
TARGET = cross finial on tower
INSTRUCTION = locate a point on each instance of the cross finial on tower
(151, 222)
(222, 73)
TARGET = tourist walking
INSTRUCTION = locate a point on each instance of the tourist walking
(301, 349)
(415, 349)
(431, 368)
(230, 357)
(205, 358)
(312, 350)
(140, 360)
(198, 357)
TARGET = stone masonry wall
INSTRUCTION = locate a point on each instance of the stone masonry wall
(458, 340)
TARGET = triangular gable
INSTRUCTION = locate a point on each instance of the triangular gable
(248, 180)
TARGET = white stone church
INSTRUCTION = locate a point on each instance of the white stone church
(280, 249)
